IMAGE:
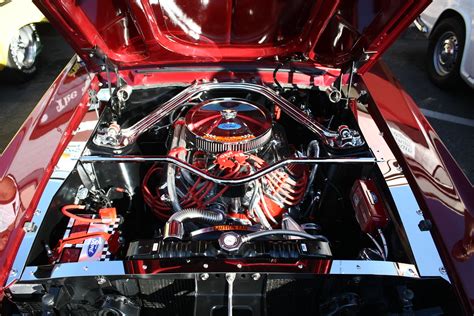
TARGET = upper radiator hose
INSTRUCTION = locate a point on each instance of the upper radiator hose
(174, 227)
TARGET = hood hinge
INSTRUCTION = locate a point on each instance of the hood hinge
(365, 56)
(118, 92)
(335, 93)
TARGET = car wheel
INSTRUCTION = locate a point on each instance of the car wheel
(23, 54)
(445, 51)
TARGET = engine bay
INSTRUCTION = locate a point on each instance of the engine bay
(218, 175)
(253, 183)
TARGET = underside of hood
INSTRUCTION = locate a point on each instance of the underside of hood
(151, 33)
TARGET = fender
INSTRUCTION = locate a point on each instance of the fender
(441, 188)
(30, 157)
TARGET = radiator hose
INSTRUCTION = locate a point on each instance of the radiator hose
(174, 227)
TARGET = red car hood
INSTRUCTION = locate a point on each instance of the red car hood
(150, 33)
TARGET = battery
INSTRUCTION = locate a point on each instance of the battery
(369, 209)
(84, 242)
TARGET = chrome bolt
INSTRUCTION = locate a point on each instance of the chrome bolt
(419, 212)
(85, 268)
(144, 267)
(239, 266)
(256, 276)
(13, 272)
(358, 267)
(204, 276)
(442, 270)
(101, 280)
(300, 266)
(205, 266)
(48, 300)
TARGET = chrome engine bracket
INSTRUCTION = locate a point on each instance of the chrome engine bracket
(333, 139)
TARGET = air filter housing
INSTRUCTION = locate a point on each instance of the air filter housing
(225, 124)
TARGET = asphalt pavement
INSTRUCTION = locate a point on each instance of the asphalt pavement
(451, 113)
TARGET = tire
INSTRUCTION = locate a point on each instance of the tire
(445, 50)
(23, 55)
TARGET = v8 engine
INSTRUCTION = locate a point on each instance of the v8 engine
(228, 138)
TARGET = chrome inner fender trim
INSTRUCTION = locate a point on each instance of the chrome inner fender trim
(116, 268)
(77, 269)
(422, 244)
(363, 267)
(25, 247)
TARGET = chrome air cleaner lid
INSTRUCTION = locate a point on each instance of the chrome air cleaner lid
(225, 124)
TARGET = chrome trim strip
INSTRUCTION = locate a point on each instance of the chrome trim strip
(77, 269)
(26, 288)
(50, 190)
(382, 268)
(221, 180)
(422, 244)
(116, 268)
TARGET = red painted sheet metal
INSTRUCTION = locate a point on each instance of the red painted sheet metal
(146, 33)
(444, 193)
(31, 156)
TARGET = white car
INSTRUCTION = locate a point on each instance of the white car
(449, 25)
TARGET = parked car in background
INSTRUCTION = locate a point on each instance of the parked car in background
(20, 44)
(449, 25)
